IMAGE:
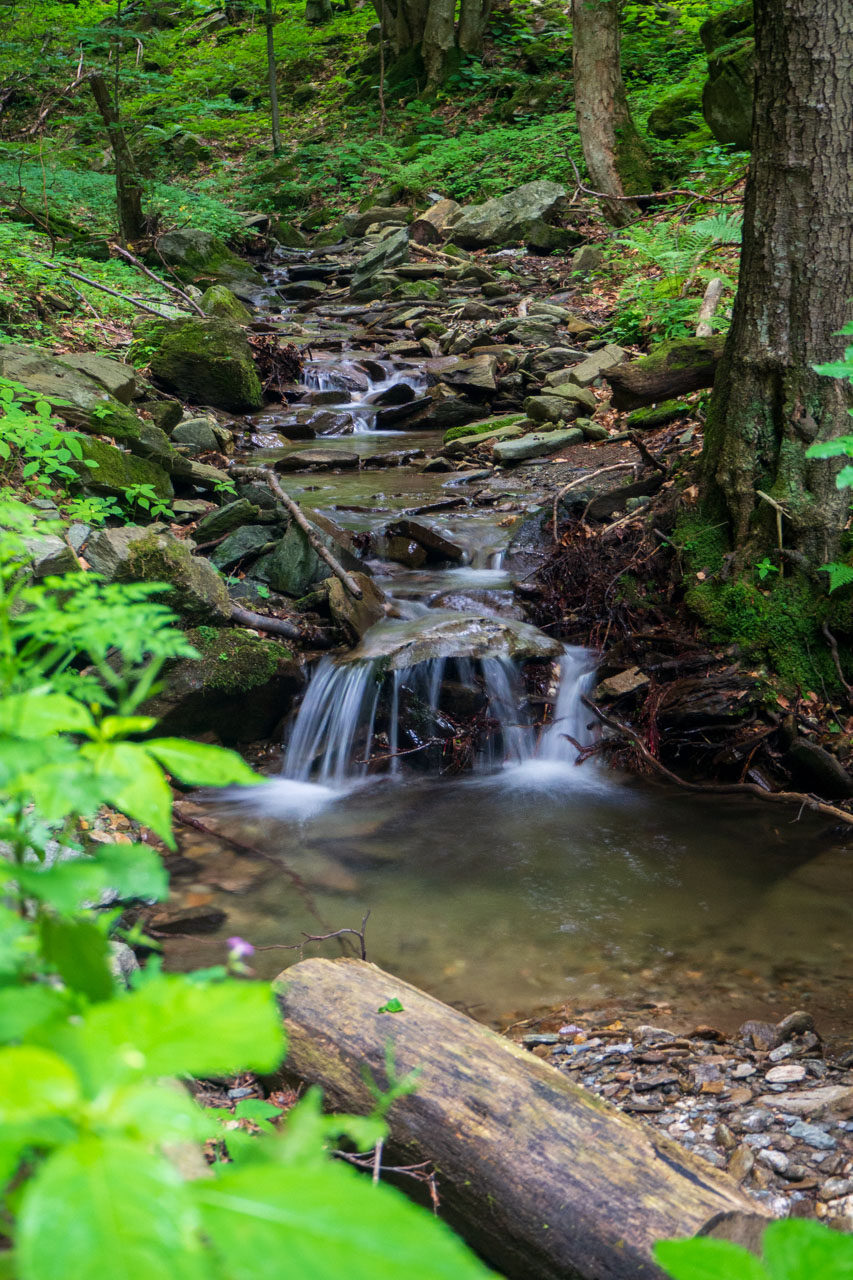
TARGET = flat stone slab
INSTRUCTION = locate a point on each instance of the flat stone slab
(539, 444)
(317, 460)
(447, 634)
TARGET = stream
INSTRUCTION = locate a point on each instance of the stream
(528, 881)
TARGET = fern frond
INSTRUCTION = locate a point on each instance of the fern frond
(840, 574)
(721, 228)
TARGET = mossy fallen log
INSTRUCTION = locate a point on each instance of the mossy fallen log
(673, 369)
(543, 1178)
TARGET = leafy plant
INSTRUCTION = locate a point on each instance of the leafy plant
(791, 1250)
(100, 1146)
(32, 440)
(764, 568)
(840, 574)
(145, 497)
(92, 509)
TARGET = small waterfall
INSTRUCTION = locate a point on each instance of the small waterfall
(358, 717)
(358, 387)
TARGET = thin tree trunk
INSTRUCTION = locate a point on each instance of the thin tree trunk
(615, 154)
(438, 39)
(273, 82)
(473, 20)
(796, 282)
(131, 221)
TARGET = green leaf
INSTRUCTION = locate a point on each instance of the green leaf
(800, 1250)
(128, 870)
(391, 1006)
(840, 574)
(79, 952)
(37, 715)
(844, 479)
(34, 1083)
(111, 1208)
(328, 1222)
(704, 1259)
(123, 726)
(842, 446)
(134, 784)
(172, 1026)
(201, 765)
(22, 1008)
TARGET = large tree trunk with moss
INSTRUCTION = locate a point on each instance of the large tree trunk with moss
(543, 1178)
(430, 28)
(131, 221)
(615, 154)
(796, 282)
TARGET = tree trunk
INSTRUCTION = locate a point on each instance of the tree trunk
(796, 281)
(272, 80)
(131, 222)
(473, 20)
(615, 154)
(543, 1178)
(438, 39)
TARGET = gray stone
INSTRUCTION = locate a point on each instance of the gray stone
(536, 445)
(835, 1099)
(224, 519)
(383, 257)
(586, 259)
(356, 617)
(197, 591)
(107, 550)
(429, 536)
(197, 434)
(813, 1136)
(624, 682)
(578, 395)
(556, 359)
(550, 408)
(116, 377)
(292, 565)
(50, 555)
(509, 218)
(317, 460)
(200, 255)
(355, 224)
(470, 373)
(243, 544)
(116, 471)
(775, 1160)
(198, 473)
(453, 635)
(597, 364)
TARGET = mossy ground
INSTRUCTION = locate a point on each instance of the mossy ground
(230, 661)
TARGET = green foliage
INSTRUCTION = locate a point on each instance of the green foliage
(840, 574)
(791, 1250)
(144, 497)
(34, 446)
(91, 1112)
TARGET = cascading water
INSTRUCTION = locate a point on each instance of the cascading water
(348, 706)
(360, 387)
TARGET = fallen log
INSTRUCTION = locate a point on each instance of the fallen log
(544, 1179)
(673, 369)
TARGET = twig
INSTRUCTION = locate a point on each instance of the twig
(589, 475)
(833, 648)
(321, 937)
(377, 1160)
(269, 477)
(648, 456)
(171, 288)
(75, 275)
(649, 195)
(721, 788)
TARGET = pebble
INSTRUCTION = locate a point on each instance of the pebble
(741, 1164)
(789, 1073)
(835, 1187)
(758, 1140)
(813, 1136)
(743, 1070)
(753, 1121)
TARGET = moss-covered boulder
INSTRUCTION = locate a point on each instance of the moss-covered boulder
(292, 565)
(677, 116)
(115, 471)
(240, 687)
(486, 428)
(200, 256)
(205, 360)
(197, 591)
(218, 300)
(727, 97)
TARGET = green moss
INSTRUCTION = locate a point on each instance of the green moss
(197, 590)
(482, 428)
(206, 360)
(116, 471)
(218, 300)
(232, 661)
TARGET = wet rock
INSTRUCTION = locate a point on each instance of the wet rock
(225, 519)
(165, 414)
(761, 1035)
(818, 770)
(623, 683)
(202, 919)
(776, 1160)
(243, 544)
(389, 253)
(436, 543)
(205, 360)
(336, 539)
(536, 445)
(301, 290)
(218, 300)
(796, 1024)
(509, 218)
(398, 393)
(401, 550)
(454, 635)
(50, 555)
(355, 617)
(196, 434)
(292, 565)
(317, 460)
(812, 1135)
(356, 224)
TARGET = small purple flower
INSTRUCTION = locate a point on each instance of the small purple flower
(239, 949)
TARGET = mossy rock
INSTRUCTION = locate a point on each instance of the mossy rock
(292, 565)
(418, 289)
(488, 427)
(197, 591)
(240, 687)
(677, 116)
(658, 415)
(116, 471)
(728, 94)
(218, 300)
(732, 24)
(205, 360)
(198, 255)
(288, 235)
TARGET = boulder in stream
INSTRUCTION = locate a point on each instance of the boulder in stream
(509, 218)
(200, 255)
(206, 360)
(453, 635)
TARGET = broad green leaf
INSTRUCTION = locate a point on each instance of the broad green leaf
(800, 1250)
(22, 1008)
(79, 953)
(835, 369)
(172, 1026)
(38, 715)
(844, 479)
(134, 784)
(157, 1113)
(33, 1083)
(17, 944)
(108, 1209)
(842, 446)
(123, 726)
(201, 765)
(62, 787)
(327, 1221)
(704, 1259)
(128, 870)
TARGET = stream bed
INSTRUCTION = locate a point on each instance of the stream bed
(529, 882)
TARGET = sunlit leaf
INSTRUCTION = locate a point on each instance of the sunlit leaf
(201, 765)
(34, 1082)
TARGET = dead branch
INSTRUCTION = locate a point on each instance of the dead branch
(171, 288)
(833, 648)
(266, 476)
(589, 475)
(804, 800)
(647, 454)
(75, 275)
(278, 627)
(710, 302)
(321, 937)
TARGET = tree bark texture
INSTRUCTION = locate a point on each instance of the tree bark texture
(473, 19)
(431, 28)
(795, 287)
(128, 186)
(615, 154)
(543, 1178)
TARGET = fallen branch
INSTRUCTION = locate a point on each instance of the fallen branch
(321, 937)
(804, 800)
(647, 454)
(75, 275)
(710, 302)
(171, 288)
(270, 478)
(833, 647)
(276, 626)
(589, 475)
(710, 198)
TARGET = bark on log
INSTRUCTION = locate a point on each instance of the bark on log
(674, 369)
(543, 1178)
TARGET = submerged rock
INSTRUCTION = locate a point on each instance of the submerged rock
(453, 635)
